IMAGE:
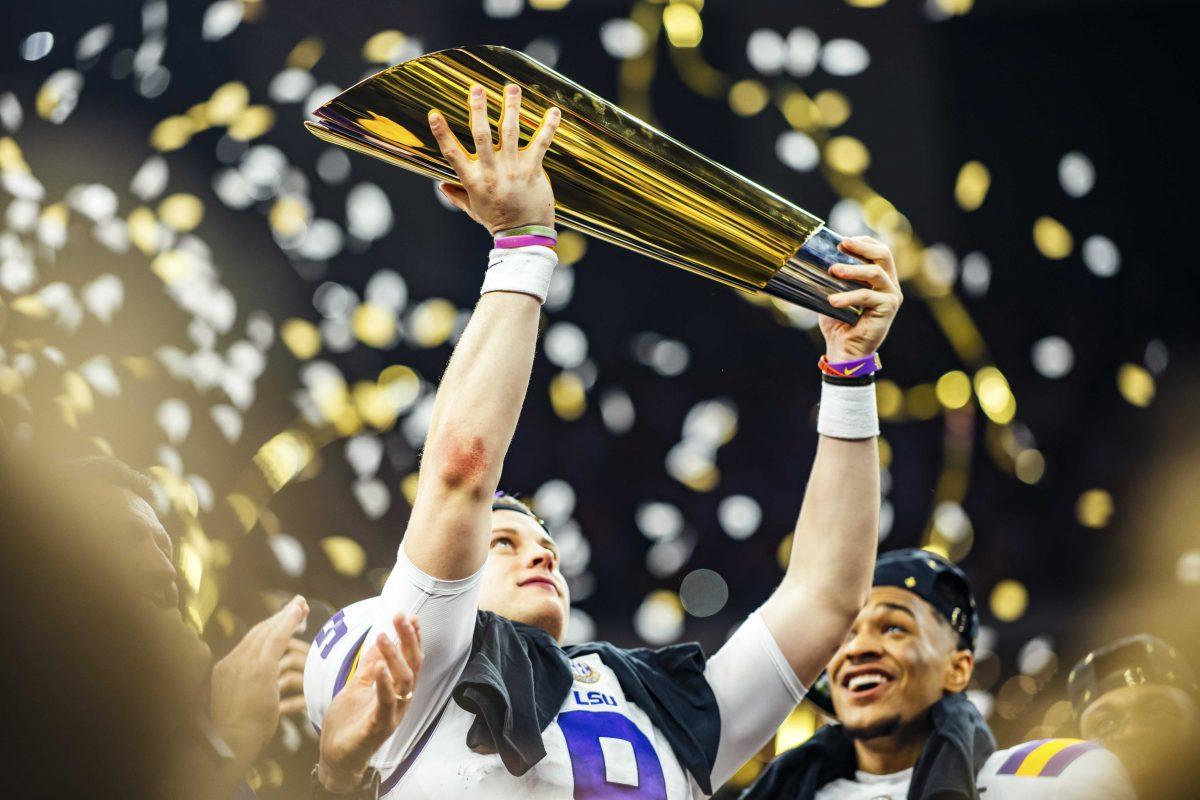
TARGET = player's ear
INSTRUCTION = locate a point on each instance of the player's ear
(958, 671)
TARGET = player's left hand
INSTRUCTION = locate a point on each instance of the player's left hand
(879, 300)
(370, 707)
(246, 683)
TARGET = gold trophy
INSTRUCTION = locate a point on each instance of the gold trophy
(614, 176)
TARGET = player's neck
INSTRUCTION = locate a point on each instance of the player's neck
(896, 752)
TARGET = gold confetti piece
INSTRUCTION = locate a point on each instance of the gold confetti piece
(11, 158)
(995, 398)
(683, 24)
(31, 306)
(301, 337)
(1094, 509)
(1030, 466)
(345, 555)
(408, 487)
(833, 107)
(306, 53)
(432, 322)
(227, 102)
(889, 399)
(198, 114)
(1136, 384)
(748, 97)
(795, 730)
(252, 123)
(11, 381)
(783, 554)
(244, 509)
(139, 367)
(174, 266)
(847, 155)
(78, 392)
(283, 457)
(971, 187)
(1052, 238)
(921, 402)
(1008, 600)
(571, 247)
(955, 7)
(374, 325)
(375, 405)
(289, 216)
(548, 5)
(800, 111)
(172, 133)
(865, 3)
(567, 396)
(181, 212)
(143, 230)
(703, 480)
(383, 47)
(954, 389)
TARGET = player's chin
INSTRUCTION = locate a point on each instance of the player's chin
(546, 613)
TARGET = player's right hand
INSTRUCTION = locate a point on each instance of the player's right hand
(502, 187)
(370, 708)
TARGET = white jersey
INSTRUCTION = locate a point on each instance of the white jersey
(600, 744)
(1045, 769)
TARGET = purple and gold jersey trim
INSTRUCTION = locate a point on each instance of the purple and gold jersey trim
(348, 665)
(1045, 758)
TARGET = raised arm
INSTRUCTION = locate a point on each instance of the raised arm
(480, 396)
(833, 546)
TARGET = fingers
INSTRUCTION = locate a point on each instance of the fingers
(879, 303)
(370, 663)
(457, 196)
(545, 133)
(292, 661)
(410, 642)
(401, 674)
(872, 275)
(299, 646)
(481, 129)
(870, 249)
(292, 705)
(385, 690)
(448, 143)
(278, 630)
(510, 120)
(291, 682)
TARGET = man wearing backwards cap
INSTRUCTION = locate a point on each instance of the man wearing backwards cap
(907, 729)
(1136, 697)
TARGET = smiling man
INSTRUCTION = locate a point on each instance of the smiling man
(907, 730)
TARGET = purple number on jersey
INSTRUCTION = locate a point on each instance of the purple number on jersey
(583, 731)
(333, 630)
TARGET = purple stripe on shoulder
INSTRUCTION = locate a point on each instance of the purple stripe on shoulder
(1065, 757)
(1018, 755)
(344, 672)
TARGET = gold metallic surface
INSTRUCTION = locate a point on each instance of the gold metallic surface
(615, 177)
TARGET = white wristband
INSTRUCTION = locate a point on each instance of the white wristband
(848, 412)
(520, 269)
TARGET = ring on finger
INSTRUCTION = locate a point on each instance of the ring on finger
(404, 698)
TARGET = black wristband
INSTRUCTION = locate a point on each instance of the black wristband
(864, 380)
(368, 791)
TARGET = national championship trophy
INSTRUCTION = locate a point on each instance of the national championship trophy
(614, 176)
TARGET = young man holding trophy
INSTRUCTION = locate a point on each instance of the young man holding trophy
(476, 602)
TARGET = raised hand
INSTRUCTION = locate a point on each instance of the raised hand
(246, 683)
(370, 707)
(879, 300)
(503, 187)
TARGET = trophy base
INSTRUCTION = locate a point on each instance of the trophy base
(805, 279)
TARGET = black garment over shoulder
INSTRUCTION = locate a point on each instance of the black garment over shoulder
(517, 678)
(957, 749)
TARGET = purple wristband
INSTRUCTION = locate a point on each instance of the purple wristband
(860, 367)
(527, 240)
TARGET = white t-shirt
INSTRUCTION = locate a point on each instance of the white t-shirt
(598, 744)
(1045, 769)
